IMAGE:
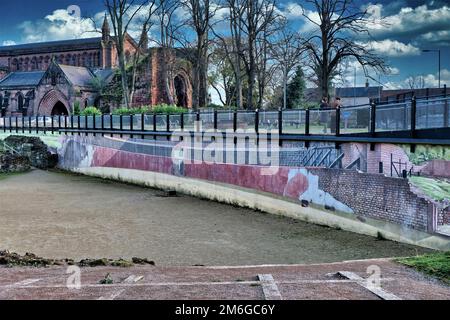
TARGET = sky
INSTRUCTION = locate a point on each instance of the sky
(411, 26)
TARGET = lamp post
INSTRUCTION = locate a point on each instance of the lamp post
(439, 61)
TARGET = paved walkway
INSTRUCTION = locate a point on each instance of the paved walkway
(346, 280)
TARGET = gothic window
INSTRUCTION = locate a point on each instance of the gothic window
(53, 77)
(34, 65)
(20, 102)
(15, 65)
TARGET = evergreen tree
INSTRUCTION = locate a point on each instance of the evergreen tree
(296, 90)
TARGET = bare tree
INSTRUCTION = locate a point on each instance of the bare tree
(287, 52)
(200, 15)
(416, 82)
(232, 43)
(259, 16)
(147, 22)
(122, 13)
(339, 21)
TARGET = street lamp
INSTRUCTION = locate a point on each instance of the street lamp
(439, 56)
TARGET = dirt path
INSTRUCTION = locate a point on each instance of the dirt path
(226, 283)
(57, 215)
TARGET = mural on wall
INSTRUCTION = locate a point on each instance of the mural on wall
(310, 191)
(294, 183)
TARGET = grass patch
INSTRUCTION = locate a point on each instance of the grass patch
(434, 264)
(434, 188)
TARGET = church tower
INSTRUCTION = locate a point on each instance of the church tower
(107, 46)
(143, 43)
(105, 30)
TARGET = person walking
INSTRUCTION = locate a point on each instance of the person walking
(336, 105)
(323, 113)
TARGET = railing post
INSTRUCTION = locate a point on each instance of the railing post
(215, 124)
(52, 125)
(17, 125)
(154, 126)
(94, 122)
(413, 116)
(307, 120)
(280, 126)
(307, 125)
(131, 126)
(23, 124)
(168, 125)
(86, 125)
(37, 124)
(102, 121)
(235, 116)
(257, 121)
(45, 125)
(373, 114)
(121, 125)
(79, 125)
(111, 124)
(59, 123)
(182, 121)
(29, 124)
(143, 125)
(338, 121)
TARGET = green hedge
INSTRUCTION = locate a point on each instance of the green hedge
(162, 108)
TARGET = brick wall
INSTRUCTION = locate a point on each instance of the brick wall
(376, 196)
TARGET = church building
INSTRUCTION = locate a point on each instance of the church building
(50, 78)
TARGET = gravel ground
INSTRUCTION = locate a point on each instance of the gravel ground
(59, 215)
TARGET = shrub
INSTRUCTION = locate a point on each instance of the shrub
(91, 111)
(76, 108)
(162, 108)
(165, 108)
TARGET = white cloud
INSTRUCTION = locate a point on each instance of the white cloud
(59, 25)
(393, 48)
(9, 43)
(409, 22)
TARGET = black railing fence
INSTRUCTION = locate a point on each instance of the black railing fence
(356, 123)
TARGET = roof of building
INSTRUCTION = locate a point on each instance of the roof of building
(22, 79)
(52, 46)
(358, 92)
(104, 74)
(78, 76)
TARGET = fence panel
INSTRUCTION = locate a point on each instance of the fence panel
(394, 117)
(268, 120)
(294, 121)
(355, 119)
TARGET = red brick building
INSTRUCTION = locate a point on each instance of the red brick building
(50, 77)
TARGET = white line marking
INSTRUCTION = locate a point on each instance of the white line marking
(113, 296)
(269, 287)
(363, 282)
(133, 279)
(26, 282)
(187, 284)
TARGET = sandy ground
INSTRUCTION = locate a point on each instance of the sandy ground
(58, 215)
(292, 282)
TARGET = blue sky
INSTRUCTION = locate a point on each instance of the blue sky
(413, 25)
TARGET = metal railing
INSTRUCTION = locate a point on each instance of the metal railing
(357, 123)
